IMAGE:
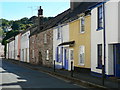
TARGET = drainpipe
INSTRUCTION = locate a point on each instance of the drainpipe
(104, 34)
(104, 44)
(62, 46)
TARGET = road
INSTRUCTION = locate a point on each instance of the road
(15, 76)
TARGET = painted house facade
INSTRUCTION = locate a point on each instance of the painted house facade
(17, 46)
(80, 34)
(24, 44)
(71, 41)
(105, 17)
(61, 52)
(11, 48)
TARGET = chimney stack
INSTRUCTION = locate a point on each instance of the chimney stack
(40, 18)
(75, 3)
(40, 12)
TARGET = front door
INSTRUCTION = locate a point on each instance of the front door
(117, 60)
(40, 58)
(66, 59)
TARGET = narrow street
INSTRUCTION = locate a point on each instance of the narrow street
(15, 76)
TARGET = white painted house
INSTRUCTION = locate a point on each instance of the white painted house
(11, 49)
(24, 53)
(112, 38)
(1, 50)
(17, 46)
(61, 51)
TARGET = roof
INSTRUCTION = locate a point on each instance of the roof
(33, 30)
(82, 8)
(67, 43)
(51, 23)
(67, 15)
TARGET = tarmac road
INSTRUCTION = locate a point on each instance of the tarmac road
(15, 76)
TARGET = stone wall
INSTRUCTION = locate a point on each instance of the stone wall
(40, 48)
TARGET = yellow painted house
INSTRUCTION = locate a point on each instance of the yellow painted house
(80, 33)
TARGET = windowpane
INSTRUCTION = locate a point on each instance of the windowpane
(45, 38)
(58, 54)
(58, 33)
(100, 17)
(82, 25)
(82, 55)
(71, 54)
(47, 55)
(100, 55)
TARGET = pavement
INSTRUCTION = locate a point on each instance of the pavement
(16, 76)
(81, 78)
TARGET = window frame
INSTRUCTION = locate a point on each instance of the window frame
(33, 54)
(100, 17)
(72, 54)
(47, 54)
(83, 53)
(99, 55)
(45, 38)
(81, 25)
(58, 33)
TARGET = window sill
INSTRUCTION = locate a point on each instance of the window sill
(58, 38)
(99, 29)
(82, 64)
(82, 32)
(98, 67)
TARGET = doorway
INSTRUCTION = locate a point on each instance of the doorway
(116, 51)
(40, 58)
(66, 58)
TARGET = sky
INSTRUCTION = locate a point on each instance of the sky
(12, 10)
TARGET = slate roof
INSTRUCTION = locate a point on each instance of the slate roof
(65, 16)
(78, 10)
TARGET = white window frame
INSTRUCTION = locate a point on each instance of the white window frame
(81, 31)
(47, 55)
(82, 52)
(45, 38)
(72, 57)
(33, 54)
(58, 33)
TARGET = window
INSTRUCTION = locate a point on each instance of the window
(82, 55)
(100, 17)
(33, 40)
(57, 54)
(58, 33)
(47, 55)
(71, 55)
(45, 38)
(32, 53)
(82, 24)
(99, 48)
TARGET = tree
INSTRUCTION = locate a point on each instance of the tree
(24, 20)
(15, 25)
